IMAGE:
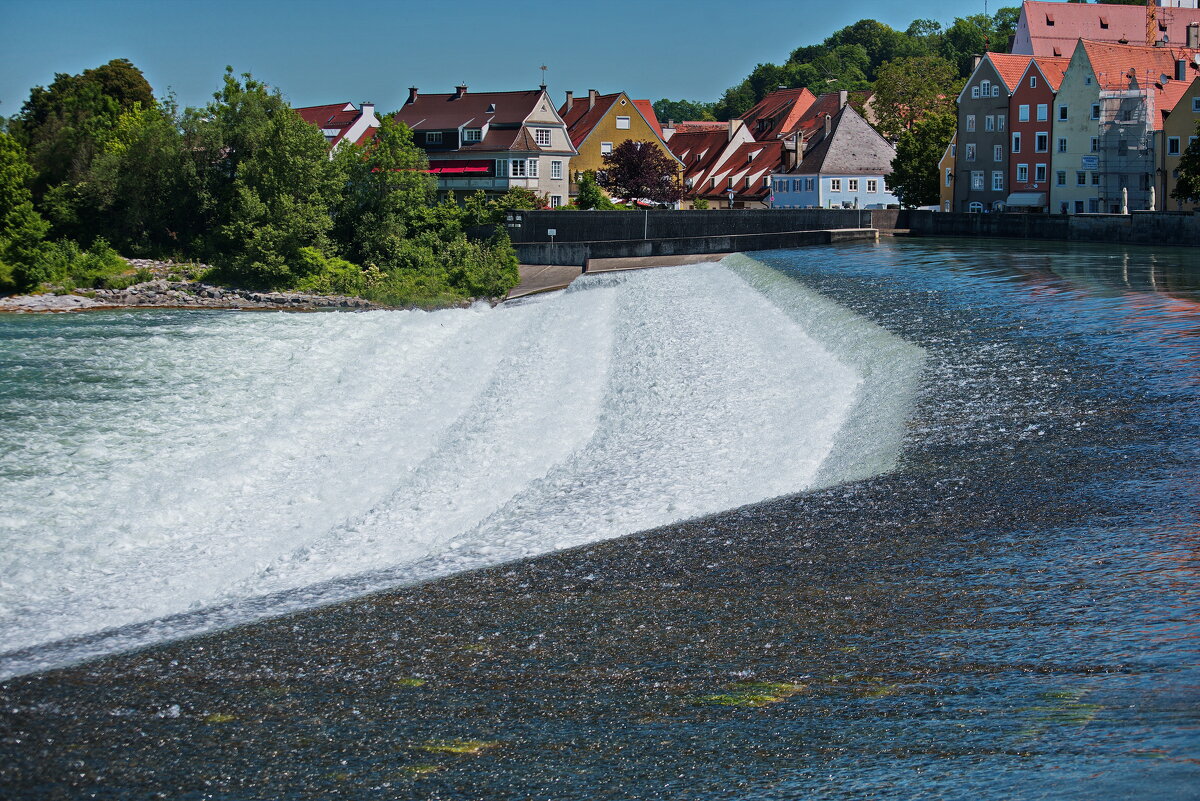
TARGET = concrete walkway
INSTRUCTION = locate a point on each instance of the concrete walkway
(642, 262)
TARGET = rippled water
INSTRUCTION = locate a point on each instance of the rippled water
(243, 465)
(1011, 612)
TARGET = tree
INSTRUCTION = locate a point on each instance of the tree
(1187, 190)
(914, 177)
(681, 110)
(266, 182)
(22, 230)
(909, 89)
(641, 171)
(590, 196)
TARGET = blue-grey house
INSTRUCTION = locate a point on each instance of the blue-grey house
(844, 165)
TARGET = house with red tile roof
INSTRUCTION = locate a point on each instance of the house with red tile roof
(702, 154)
(342, 122)
(1031, 119)
(1052, 29)
(596, 124)
(981, 166)
(492, 141)
(1109, 116)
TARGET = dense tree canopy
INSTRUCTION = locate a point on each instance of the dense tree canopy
(914, 178)
(910, 89)
(641, 171)
(1187, 190)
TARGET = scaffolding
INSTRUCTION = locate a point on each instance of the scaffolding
(1126, 145)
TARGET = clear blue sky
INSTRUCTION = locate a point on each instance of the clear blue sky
(327, 52)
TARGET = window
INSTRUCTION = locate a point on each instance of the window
(997, 181)
(1196, 104)
(1016, 142)
(1022, 173)
(1172, 145)
(1041, 143)
(970, 151)
(1095, 111)
(501, 168)
(1062, 144)
(1094, 205)
(835, 184)
(975, 208)
(555, 201)
(1023, 113)
(995, 91)
(1079, 207)
(977, 179)
(970, 122)
(1095, 179)
(433, 137)
(1062, 113)
(516, 168)
(1060, 178)
(1081, 178)
(989, 122)
(985, 88)
(531, 166)
(1000, 119)
(1095, 144)
(1127, 115)
(1033, 82)
(1043, 112)
(541, 136)
(1039, 173)
(622, 123)
(810, 184)
(1192, 140)
(472, 134)
(556, 169)
(997, 152)
(852, 185)
(872, 185)
(605, 148)
(949, 177)
(1087, 81)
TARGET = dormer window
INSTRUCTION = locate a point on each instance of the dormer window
(491, 109)
(1104, 23)
(433, 137)
(541, 136)
(1050, 20)
(473, 135)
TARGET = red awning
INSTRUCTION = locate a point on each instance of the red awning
(447, 167)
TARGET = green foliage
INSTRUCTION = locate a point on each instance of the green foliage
(910, 89)
(700, 203)
(590, 195)
(914, 177)
(63, 264)
(641, 171)
(22, 230)
(1187, 190)
(682, 110)
(518, 198)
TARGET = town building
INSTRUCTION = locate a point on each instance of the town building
(492, 141)
(981, 166)
(1052, 29)
(342, 122)
(1109, 114)
(701, 152)
(596, 124)
(1180, 129)
(946, 175)
(1032, 113)
(844, 165)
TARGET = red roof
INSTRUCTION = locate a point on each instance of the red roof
(747, 165)
(778, 113)
(699, 150)
(335, 117)
(700, 126)
(1116, 66)
(450, 111)
(582, 116)
(1052, 29)
(647, 109)
(1052, 69)
(1010, 68)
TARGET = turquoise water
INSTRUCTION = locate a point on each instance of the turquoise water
(1005, 608)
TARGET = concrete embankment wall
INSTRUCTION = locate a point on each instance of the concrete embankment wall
(1140, 227)
(572, 237)
(581, 252)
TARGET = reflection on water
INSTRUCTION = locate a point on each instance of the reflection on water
(1013, 613)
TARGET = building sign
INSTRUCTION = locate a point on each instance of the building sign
(1090, 163)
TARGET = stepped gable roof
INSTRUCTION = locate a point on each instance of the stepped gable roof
(852, 147)
(1054, 28)
(448, 111)
(777, 113)
(749, 160)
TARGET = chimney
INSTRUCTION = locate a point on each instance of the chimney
(459, 91)
(976, 60)
(828, 124)
(592, 95)
(1193, 36)
(412, 95)
(732, 128)
(368, 108)
(843, 98)
(570, 100)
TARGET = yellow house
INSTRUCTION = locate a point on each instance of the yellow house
(1179, 130)
(946, 175)
(599, 123)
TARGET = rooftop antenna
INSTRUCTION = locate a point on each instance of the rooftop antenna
(543, 68)
(987, 36)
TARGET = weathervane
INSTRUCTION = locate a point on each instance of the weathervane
(543, 68)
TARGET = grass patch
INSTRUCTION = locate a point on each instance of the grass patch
(752, 694)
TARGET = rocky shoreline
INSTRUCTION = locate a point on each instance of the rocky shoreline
(173, 286)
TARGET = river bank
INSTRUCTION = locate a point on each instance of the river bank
(165, 294)
(1010, 613)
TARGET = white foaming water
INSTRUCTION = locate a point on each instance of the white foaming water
(195, 471)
